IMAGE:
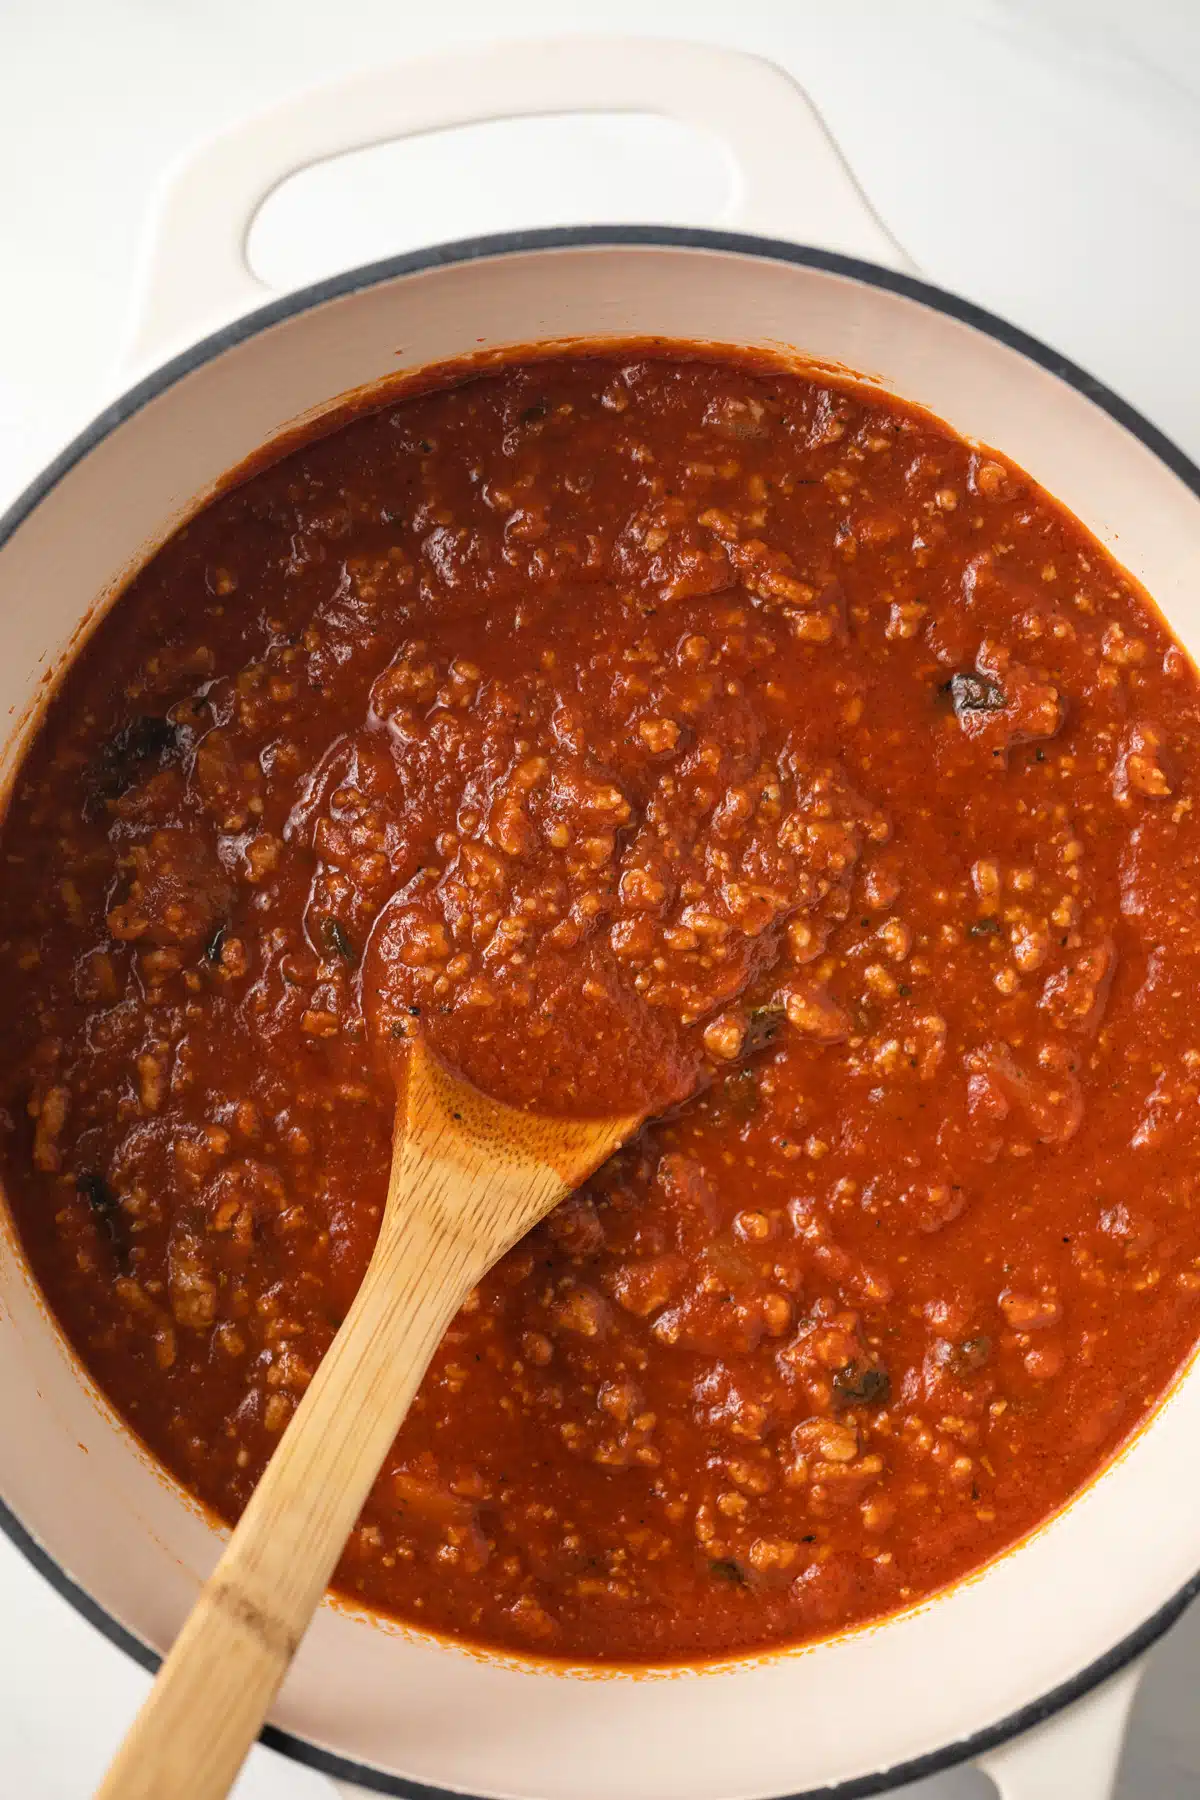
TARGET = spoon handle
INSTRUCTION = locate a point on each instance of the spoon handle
(215, 1686)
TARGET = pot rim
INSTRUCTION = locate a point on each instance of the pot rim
(472, 249)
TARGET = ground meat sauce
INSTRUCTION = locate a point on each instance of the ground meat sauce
(640, 729)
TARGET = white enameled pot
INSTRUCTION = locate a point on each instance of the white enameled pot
(1064, 1616)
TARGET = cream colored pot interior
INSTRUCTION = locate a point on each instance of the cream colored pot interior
(381, 1696)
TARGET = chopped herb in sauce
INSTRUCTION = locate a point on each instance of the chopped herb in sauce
(860, 1384)
(123, 757)
(971, 692)
(763, 1027)
(337, 941)
(106, 1207)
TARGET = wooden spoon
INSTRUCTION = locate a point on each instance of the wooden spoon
(469, 1178)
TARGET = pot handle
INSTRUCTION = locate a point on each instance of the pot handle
(1075, 1752)
(792, 179)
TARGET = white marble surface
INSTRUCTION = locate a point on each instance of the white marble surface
(1040, 156)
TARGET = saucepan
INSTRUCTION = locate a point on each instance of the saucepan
(1062, 1618)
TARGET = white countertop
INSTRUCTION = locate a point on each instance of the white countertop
(1040, 156)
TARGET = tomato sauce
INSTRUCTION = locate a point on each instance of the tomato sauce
(648, 733)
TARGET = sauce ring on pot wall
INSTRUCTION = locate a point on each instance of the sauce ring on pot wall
(636, 726)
